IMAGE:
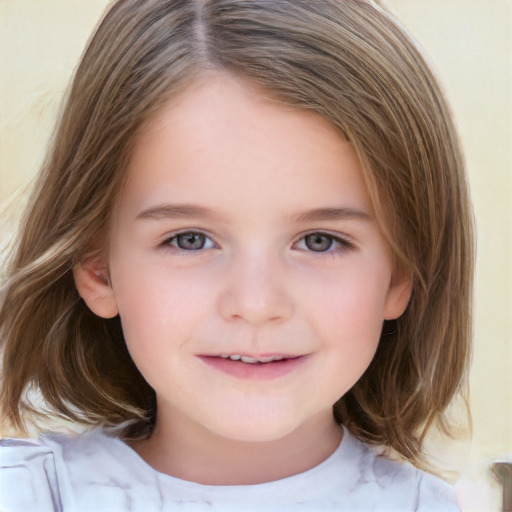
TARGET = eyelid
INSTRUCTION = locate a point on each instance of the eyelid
(344, 241)
(166, 239)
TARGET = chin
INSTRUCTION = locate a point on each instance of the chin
(261, 429)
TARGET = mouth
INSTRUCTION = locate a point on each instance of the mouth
(254, 367)
(255, 360)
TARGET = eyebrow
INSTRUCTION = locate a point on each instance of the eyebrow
(321, 214)
(176, 211)
(185, 211)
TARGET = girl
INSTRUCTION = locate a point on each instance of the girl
(247, 262)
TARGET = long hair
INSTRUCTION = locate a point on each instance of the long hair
(346, 60)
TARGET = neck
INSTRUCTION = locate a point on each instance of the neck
(188, 452)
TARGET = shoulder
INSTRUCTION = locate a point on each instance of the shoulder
(28, 479)
(44, 474)
(396, 485)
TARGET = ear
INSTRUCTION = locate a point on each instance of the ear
(93, 284)
(399, 294)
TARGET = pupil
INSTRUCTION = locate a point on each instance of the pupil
(318, 243)
(191, 241)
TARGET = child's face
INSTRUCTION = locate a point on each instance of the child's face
(245, 229)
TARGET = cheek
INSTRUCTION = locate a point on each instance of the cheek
(346, 312)
(352, 300)
(347, 319)
(158, 305)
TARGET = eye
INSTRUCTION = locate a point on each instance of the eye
(318, 242)
(190, 241)
(322, 242)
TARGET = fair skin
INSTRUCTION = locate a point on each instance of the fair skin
(244, 229)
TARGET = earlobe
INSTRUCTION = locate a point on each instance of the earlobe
(399, 295)
(93, 285)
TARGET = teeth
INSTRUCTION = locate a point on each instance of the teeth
(271, 358)
(251, 360)
(246, 359)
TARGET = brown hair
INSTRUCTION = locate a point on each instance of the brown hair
(348, 61)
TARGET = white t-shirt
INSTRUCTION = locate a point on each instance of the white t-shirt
(95, 472)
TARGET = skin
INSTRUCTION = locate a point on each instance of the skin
(260, 275)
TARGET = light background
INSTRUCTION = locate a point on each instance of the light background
(469, 44)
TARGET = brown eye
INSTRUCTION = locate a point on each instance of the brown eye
(319, 242)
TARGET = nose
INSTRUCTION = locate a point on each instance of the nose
(256, 291)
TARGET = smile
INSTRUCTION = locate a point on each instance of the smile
(254, 368)
(253, 360)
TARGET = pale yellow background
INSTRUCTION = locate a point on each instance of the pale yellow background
(469, 43)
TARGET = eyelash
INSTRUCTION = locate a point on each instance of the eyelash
(340, 244)
(168, 242)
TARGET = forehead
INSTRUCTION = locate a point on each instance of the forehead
(225, 134)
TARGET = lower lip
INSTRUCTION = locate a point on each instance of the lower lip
(254, 371)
